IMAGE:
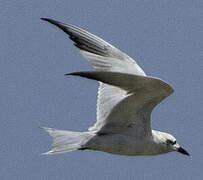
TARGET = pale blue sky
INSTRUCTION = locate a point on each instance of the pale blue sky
(166, 39)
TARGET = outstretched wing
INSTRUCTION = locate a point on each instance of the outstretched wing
(131, 115)
(118, 108)
(102, 55)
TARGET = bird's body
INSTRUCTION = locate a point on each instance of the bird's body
(126, 98)
(125, 145)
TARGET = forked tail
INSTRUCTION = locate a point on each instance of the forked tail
(66, 141)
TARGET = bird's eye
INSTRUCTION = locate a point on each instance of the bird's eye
(171, 142)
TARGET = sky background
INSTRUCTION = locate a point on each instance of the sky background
(166, 39)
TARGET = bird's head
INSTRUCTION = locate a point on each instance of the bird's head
(169, 142)
(172, 144)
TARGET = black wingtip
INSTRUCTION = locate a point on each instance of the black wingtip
(73, 74)
(54, 22)
(49, 20)
(46, 19)
(59, 24)
(88, 74)
(68, 74)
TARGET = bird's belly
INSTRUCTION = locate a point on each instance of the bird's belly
(120, 144)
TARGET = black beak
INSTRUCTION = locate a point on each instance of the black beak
(183, 151)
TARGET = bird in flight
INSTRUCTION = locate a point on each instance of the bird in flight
(126, 98)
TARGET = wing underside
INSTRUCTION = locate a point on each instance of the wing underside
(135, 98)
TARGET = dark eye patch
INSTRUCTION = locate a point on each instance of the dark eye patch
(170, 142)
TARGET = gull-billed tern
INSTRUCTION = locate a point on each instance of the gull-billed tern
(126, 98)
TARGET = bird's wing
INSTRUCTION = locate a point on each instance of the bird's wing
(102, 55)
(138, 96)
(116, 106)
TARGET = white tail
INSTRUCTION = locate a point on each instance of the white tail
(66, 141)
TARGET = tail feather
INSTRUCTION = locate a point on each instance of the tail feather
(67, 141)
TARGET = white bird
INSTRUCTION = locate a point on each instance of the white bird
(126, 98)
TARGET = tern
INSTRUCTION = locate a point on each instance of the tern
(126, 98)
